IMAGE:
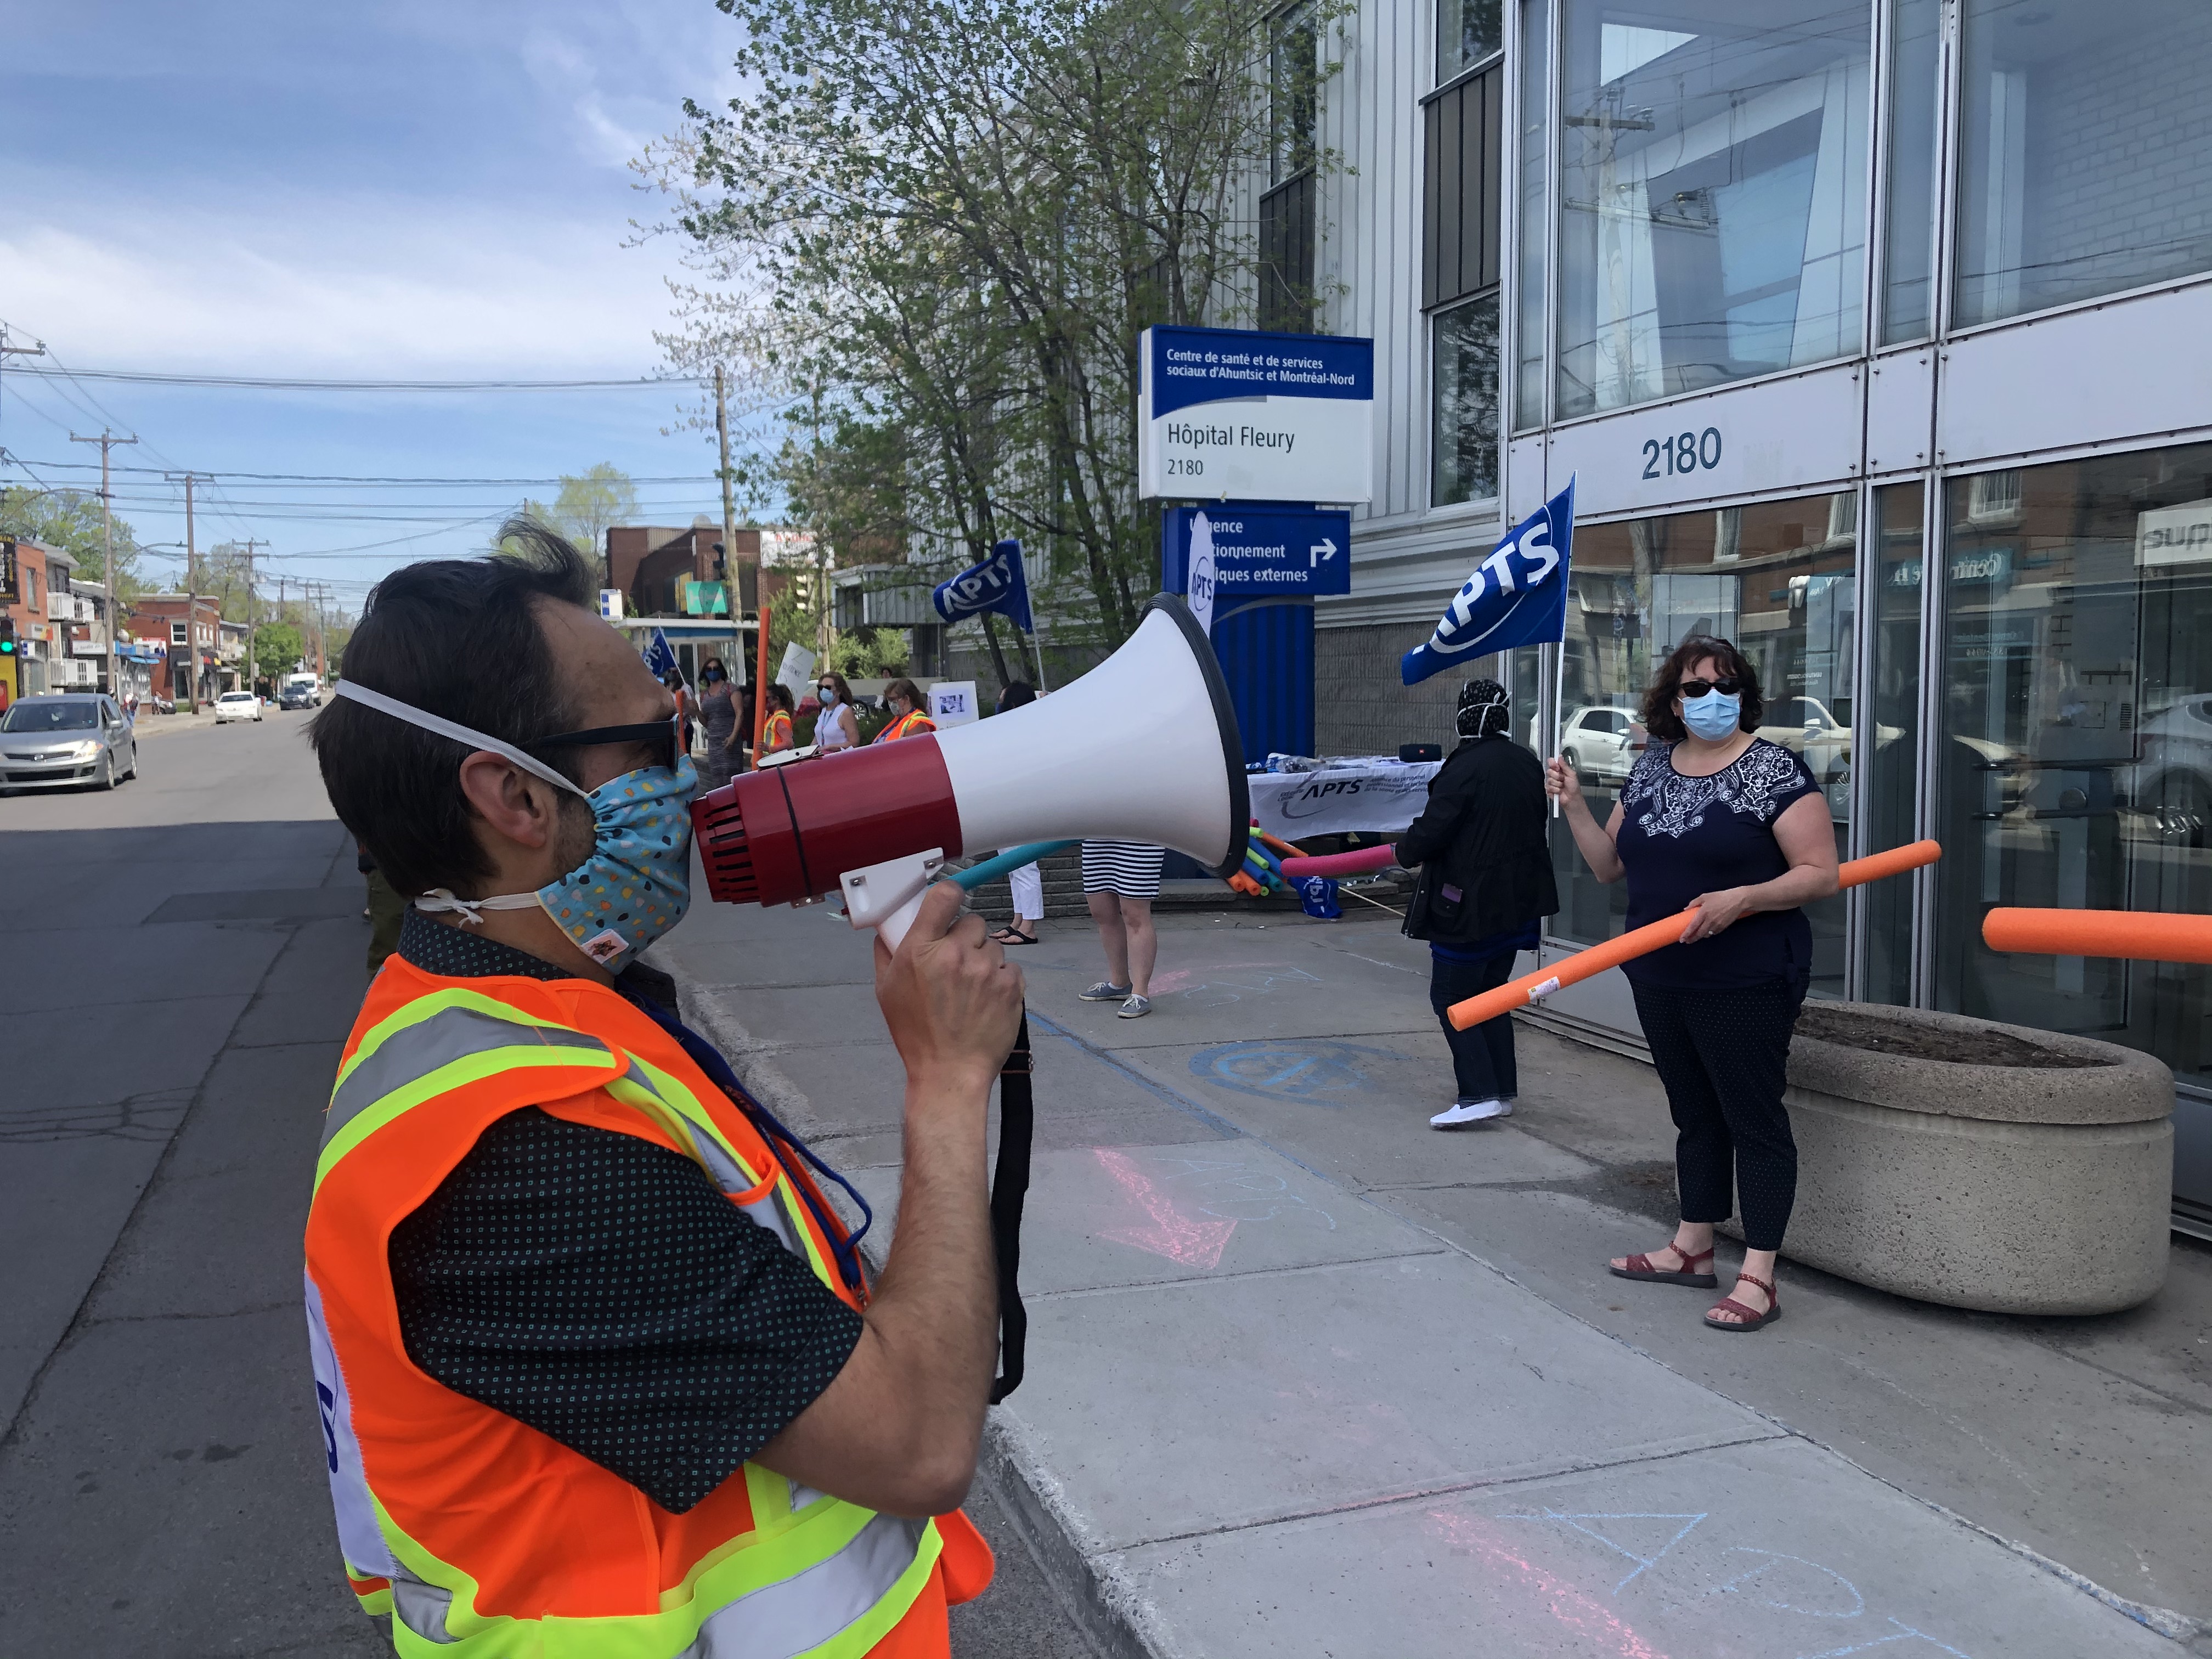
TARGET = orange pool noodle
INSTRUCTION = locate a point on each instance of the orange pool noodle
(2132, 935)
(1572, 970)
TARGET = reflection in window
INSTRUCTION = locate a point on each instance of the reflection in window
(2075, 766)
(1533, 125)
(1891, 788)
(2086, 151)
(1909, 231)
(1777, 578)
(1463, 444)
(1712, 188)
(1467, 33)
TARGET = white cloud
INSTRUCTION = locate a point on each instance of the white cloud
(435, 290)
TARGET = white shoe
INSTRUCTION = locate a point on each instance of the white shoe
(1462, 1112)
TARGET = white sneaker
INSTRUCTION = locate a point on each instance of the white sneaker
(1462, 1112)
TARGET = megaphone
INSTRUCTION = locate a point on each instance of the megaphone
(1143, 748)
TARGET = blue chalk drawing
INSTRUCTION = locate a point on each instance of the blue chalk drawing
(1642, 1562)
(1319, 1074)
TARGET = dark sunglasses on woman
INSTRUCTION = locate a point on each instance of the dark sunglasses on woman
(1727, 688)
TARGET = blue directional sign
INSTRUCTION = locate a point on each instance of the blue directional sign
(1272, 551)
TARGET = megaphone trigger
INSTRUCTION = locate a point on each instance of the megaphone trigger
(887, 897)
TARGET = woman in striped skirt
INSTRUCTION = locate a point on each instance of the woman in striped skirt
(1120, 880)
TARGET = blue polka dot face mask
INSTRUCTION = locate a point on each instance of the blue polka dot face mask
(636, 885)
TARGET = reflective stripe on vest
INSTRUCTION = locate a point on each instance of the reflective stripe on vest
(813, 1575)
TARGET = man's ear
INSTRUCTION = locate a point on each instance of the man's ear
(514, 806)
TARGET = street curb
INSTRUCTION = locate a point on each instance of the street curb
(1099, 1598)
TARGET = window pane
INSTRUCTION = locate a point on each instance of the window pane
(1293, 103)
(1777, 578)
(1464, 439)
(1535, 222)
(1467, 33)
(1909, 242)
(2076, 766)
(2085, 151)
(1711, 195)
(1890, 789)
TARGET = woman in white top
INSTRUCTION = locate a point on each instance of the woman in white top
(836, 727)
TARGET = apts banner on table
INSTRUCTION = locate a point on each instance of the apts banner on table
(1242, 415)
(1377, 797)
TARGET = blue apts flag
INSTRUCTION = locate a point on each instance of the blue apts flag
(1516, 597)
(659, 655)
(997, 584)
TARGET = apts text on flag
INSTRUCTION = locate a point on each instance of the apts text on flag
(997, 584)
(1516, 597)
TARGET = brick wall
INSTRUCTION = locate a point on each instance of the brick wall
(1359, 707)
(2120, 163)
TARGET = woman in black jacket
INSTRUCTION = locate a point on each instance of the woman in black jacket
(1486, 883)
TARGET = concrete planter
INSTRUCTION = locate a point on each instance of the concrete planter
(2032, 1175)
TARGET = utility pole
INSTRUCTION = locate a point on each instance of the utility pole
(251, 542)
(8, 351)
(106, 441)
(191, 606)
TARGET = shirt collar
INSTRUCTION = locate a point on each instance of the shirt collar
(460, 953)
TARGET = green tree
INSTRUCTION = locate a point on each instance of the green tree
(587, 504)
(69, 519)
(278, 648)
(941, 226)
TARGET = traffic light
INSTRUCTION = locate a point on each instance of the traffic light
(7, 636)
(721, 564)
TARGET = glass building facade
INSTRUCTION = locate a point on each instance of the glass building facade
(1877, 337)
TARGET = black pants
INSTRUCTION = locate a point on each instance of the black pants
(1722, 1056)
(1482, 1055)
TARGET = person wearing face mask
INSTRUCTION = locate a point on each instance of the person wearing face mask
(775, 735)
(836, 727)
(718, 709)
(904, 702)
(1485, 884)
(597, 1363)
(1714, 817)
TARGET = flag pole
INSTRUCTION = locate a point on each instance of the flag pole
(1558, 703)
(1036, 645)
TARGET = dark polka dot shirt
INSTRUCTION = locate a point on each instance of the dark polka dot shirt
(602, 1289)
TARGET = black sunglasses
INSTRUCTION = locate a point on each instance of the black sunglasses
(1728, 687)
(664, 737)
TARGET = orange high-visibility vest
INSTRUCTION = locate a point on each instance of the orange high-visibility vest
(483, 1537)
(913, 723)
(778, 735)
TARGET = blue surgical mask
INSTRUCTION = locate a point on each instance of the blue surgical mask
(636, 885)
(1714, 715)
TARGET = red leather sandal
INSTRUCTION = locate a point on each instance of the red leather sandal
(1639, 1266)
(1750, 1321)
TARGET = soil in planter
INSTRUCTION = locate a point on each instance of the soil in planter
(1882, 1037)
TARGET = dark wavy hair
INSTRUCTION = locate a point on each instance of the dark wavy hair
(461, 638)
(1659, 716)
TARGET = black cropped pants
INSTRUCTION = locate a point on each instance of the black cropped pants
(1722, 1056)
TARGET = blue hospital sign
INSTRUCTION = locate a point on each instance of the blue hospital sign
(1268, 551)
(1238, 414)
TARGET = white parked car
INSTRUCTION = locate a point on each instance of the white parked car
(237, 706)
(1602, 743)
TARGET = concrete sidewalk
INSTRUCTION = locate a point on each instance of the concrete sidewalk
(1307, 1378)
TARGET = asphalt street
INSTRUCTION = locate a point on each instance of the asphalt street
(186, 956)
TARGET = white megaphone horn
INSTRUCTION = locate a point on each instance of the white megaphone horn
(1143, 748)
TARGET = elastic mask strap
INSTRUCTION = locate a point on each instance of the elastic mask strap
(458, 733)
(441, 898)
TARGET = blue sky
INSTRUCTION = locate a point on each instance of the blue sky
(402, 189)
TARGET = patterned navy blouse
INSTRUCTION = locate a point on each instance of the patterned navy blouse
(1683, 836)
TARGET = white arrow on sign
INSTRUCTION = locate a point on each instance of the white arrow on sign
(1323, 549)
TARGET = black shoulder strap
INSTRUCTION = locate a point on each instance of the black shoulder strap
(1010, 1185)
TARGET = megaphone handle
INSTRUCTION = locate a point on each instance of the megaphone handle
(1010, 1185)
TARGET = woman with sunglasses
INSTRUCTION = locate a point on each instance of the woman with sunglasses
(718, 709)
(775, 737)
(836, 727)
(1718, 817)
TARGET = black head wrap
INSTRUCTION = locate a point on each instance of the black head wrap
(1482, 710)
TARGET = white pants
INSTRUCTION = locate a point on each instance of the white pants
(1028, 892)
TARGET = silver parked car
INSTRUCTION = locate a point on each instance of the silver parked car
(60, 740)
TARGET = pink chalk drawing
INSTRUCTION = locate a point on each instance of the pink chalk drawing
(1581, 1613)
(1167, 1232)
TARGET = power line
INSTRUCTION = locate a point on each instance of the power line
(273, 383)
(385, 479)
